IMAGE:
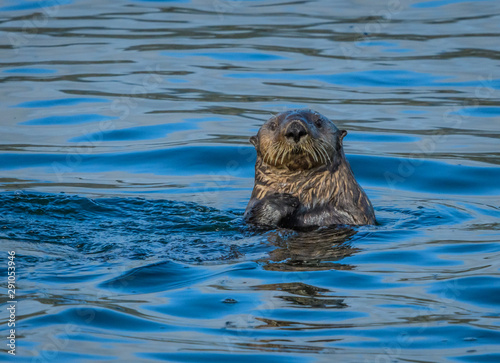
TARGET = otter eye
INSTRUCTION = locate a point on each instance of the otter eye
(318, 123)
(272, 126)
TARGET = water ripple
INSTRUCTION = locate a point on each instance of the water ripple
(125, 169)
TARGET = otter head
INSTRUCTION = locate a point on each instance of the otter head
(299, 140)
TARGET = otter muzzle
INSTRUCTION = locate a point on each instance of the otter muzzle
(295, 131)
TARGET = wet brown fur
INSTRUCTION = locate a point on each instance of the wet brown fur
(304, 184)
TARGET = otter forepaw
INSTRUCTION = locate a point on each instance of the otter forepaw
(275, 210)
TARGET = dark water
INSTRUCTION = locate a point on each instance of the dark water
(125, 169)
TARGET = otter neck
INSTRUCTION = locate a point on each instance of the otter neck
(313, 187)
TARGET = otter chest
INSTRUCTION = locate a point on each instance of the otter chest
(308, 188)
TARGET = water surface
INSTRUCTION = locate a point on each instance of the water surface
(125, 169)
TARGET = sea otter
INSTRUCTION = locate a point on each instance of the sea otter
(302, 177)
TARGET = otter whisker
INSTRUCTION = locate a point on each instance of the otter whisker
(326, 153)
(273, 156)
(272, 153)
(301, 149)
(310, 150)
(281, 154)
(279, 151)
(325, 156)
(276, 154)
(285, 152)
(266, 154)
(329, 156)
(304, 148)
(321, 153)
(269, 154)
(317, 153)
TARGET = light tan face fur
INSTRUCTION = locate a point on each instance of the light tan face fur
(318, 144)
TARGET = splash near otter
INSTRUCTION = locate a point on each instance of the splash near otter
(302, 177)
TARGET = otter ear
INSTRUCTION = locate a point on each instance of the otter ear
(342, 134)
(253, 141)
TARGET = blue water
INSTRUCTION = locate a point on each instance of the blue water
(125, 169)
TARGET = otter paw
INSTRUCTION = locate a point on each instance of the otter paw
(275, 210)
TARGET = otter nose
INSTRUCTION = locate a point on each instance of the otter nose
(295, 131)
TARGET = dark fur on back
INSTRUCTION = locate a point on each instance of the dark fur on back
(302, 178)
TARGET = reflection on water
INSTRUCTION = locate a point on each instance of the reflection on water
(310, 251)
(125, 168)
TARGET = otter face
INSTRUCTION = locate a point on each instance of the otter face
(298, 140)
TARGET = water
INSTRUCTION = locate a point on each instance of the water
(125, 169)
